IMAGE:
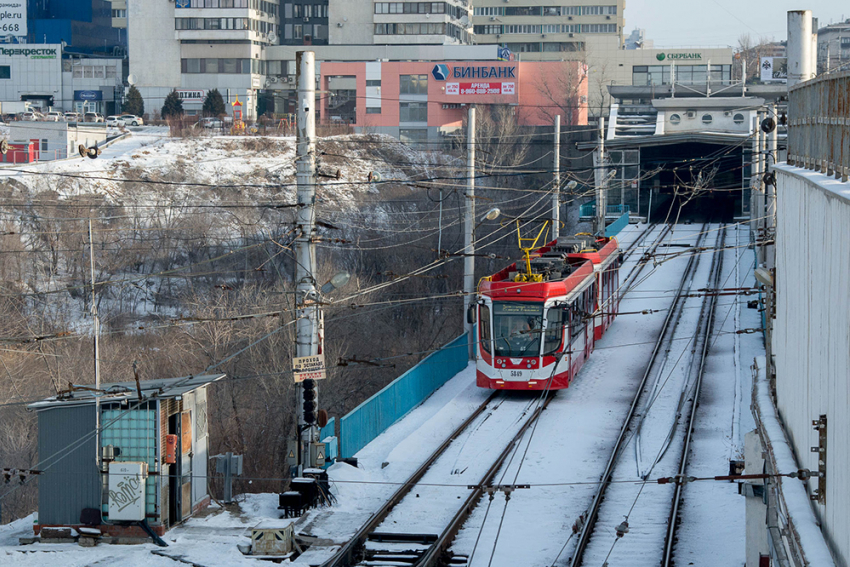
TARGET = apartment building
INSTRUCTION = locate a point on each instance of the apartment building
(197, 45)
(834, 47)
(540, 30)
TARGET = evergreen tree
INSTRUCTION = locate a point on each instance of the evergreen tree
(214, 104)
(173, 106)
(135, 104)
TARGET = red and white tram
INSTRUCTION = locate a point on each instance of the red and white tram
(537, 323)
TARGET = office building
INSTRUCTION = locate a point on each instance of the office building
(834, 47)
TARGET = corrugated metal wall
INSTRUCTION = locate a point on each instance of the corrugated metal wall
(71, 481)
(812, 337)
(375, 415)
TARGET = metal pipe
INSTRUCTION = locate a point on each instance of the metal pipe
(556, 194)
(799, 46)
(601, 182)
(469, 234)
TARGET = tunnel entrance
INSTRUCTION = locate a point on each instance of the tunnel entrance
(684, 180)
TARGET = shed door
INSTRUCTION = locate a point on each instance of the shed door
(200, 458)
(186, 462)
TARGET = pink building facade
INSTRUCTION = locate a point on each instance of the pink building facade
(419, 101)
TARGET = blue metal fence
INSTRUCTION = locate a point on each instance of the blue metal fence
(615, 227)
(589, 209)
(329, 430)
(375, 415)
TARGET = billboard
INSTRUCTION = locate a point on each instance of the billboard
(774, 69)
(13, 18)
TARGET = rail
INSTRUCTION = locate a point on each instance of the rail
(592, 513)
(710, 306)
(819, 125)
(345, 556)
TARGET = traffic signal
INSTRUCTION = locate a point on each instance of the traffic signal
(309, 396)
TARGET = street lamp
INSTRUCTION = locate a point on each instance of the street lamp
(339, 280)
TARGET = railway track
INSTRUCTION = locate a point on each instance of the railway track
(708, 321)
(600, 523)
(380, 542)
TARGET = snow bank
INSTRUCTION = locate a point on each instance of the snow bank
(795, 499)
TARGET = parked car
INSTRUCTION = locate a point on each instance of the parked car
(210, 122)
(114, 121)
(93, 117)
(53, 116)
(73, 117)
(32, 116)
(132, 120)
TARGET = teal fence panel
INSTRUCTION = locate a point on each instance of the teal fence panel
(589, 209)
(329, 430)
(375, 415)
(615, 227)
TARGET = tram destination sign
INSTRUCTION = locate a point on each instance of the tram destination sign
(309, 367)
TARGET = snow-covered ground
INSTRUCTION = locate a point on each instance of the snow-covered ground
(562, 460)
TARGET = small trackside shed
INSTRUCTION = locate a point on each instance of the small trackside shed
(167, 430)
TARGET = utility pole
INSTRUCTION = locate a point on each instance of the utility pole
(469, 234)
(556, 194)
(601, 181)
(307, 297)
(96, 321)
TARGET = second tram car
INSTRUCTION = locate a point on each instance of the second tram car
(537, 326)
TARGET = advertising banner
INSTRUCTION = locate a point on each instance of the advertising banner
(13, 18)
(480, 88)
(774, 69)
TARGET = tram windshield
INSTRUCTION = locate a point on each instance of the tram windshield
(517, 328)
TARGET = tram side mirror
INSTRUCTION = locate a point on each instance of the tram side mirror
(470, 313)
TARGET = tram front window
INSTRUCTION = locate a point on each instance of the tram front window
(516, 328)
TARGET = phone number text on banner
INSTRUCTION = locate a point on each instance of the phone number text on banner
(480, 88)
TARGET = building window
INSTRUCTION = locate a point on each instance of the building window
(373, 110)
(5, 72)
(413, 84)
(88, 73)
(675, 119)
(413, 135)
(297, 11)
(111, 72)
(373, 82)
(706, 119)
(44, 144)
(413, 112)
(738, 118)
(119, 13)
(297, 31)
(98, 72)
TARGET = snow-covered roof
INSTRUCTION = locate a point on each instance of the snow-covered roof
(163, 388)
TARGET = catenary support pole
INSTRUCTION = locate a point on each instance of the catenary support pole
(96, 322)
(307, 324)
(469, 233)
(601, 183)
(556, 181)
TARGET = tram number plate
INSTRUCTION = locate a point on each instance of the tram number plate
(516, 374)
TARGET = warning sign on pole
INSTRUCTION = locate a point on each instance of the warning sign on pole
(309, 367)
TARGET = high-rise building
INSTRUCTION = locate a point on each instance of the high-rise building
(196, 45)
(83, 26)
(538, 33)
(368, 22)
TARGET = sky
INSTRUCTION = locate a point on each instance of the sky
(710, 23)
